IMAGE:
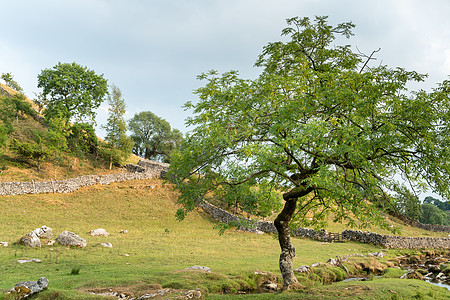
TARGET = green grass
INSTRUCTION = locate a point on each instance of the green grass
(155, 251)
(394, 289)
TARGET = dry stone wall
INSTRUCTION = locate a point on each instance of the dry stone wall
(146, 169)
(388, 241)
(143, 170)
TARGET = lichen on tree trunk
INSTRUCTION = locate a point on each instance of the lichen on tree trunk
(284, 238)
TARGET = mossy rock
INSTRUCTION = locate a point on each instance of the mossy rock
(446, 270)
(414, 275)
(393, 273)
(414, 260)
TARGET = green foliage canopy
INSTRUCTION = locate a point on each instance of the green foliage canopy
(153, 137)
(408, 204)
(321, 125)
(431, 214)
(10, 82)
(71, 90)
(116, 127)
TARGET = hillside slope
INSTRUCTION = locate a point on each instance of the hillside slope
(67, 164)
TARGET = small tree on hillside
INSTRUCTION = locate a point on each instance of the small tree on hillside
(116, 126)
(321, 126)
(72, 91)
(431, 214)
(408, 204)
(10, 82)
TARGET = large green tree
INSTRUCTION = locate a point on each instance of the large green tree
(153, 137)
(72, 91)
(321, 125)
(116, 127)
(431, 214)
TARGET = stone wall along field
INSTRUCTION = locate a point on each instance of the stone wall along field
(145, 169)
(387, 241)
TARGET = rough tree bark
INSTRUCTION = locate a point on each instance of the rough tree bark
(284, 238)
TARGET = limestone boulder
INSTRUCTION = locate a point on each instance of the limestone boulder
(302, 269)
(44, 232)
(67, 238)
(201, 268)
(27, 288)
(30, 240)
(99, 232)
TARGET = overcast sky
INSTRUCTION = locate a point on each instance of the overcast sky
(153, 50)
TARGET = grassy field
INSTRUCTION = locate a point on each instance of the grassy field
(156, 249)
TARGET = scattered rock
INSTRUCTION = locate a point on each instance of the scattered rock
(4, 244)
(49, 242)
(108, 245)
(31, 240)
(315, 265)
(377, 254)
(27, 288)
(22, 261)
(99, 232)
(206, 269)
(413, 275)
(67, 238)
(302, 269)
(332, 261)
(44, 232)
(193, 294)
(272, 286)
(435, 269)
(124, 231)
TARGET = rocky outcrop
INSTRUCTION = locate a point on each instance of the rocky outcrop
(25, 289)
(67, 238)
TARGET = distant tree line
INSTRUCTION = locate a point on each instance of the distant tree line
(431, 211)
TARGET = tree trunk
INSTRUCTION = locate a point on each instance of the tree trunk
(284, 238)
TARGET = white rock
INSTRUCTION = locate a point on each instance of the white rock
(193, 294)
(377, 254)
(44, 232)
(30, 240)
(27, 288)
(199, 268)
(332, 261)
(4, 244)
(108, 245)
(67, 238)
(22, 261)
(99, 232)
(272, 286)
(302, 269)
(124, 231)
